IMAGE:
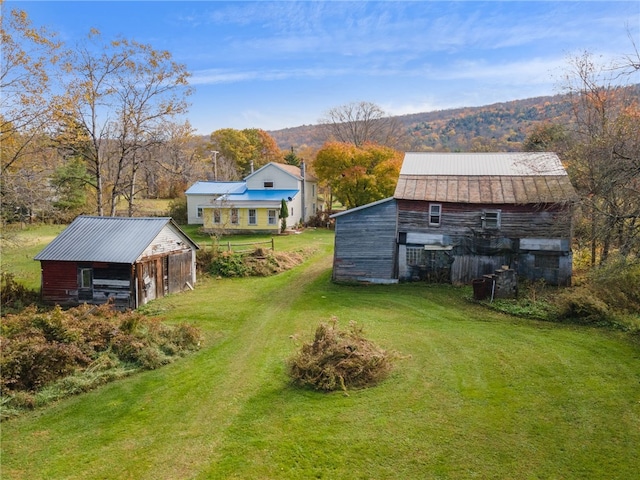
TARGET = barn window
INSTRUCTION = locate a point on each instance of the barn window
(268, 184)
(491, 219)
(252, 216)
(435, 214)
(199, 212)
(415, 256)
(547, 261)
(235, 217)
(216, 216)
(272, 217)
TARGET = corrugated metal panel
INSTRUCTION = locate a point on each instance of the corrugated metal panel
(482, 164)
(480, 189)
(105, 239)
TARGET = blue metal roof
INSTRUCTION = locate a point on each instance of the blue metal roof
(260, 196)
(216, 188)
(107, 239)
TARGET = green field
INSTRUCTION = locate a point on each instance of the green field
(476, 395)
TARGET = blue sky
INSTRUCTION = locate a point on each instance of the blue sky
(275, 65)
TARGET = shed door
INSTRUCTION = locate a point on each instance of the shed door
(149, 281)
(180, 265)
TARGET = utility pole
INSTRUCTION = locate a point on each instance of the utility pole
(215, 165)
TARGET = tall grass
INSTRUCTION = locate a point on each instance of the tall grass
(478, 394)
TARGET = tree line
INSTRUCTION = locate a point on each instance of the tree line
(94, 127)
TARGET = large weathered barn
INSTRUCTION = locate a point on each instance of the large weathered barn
(459, 216)
(127, 261)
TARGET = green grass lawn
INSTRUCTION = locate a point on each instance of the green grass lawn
(477, 394)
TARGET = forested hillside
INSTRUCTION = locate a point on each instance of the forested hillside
(497, 127)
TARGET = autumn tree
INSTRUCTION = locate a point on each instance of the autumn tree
(547, 137)
(120, 93)
(359, 123)
(246, 149)
(605, 161)
(28, 59)
(358, 175)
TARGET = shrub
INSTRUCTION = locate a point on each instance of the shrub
(13, 295)
(46, 355)
(228, 264)
(178, 210)
(339, 359)
(581, 305)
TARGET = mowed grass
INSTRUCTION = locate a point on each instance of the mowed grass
(476, 395)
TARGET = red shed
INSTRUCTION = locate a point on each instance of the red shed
(127, 261)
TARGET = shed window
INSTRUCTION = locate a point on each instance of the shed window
(435, 214)
(491, 219)
(252, 216)
(86, 278)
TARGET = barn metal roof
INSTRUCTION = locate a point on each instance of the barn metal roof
(107, 239)
(493, 178)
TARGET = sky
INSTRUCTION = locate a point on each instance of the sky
(274, 65)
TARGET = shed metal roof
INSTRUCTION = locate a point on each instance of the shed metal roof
(107, 239)
(494, 178)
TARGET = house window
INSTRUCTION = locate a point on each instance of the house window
(314, 209)
(235, 217)
(216, 217)
(268, 184)
(491, 219)
(273, 220)
(199, 212)
(252, 216)
(435, 214)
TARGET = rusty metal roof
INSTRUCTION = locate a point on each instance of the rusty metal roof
(494, 178)
(107, 239)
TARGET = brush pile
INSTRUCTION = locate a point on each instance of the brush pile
(339, 359)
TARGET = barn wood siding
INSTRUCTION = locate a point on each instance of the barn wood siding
(365, 244)
(59, 282)
(459, 220)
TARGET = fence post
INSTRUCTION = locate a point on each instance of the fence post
(273, 247)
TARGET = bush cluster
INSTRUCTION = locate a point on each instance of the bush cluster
(608, 293)
(339, 359)
(259, 263)
(42, 348)
(13, 295)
